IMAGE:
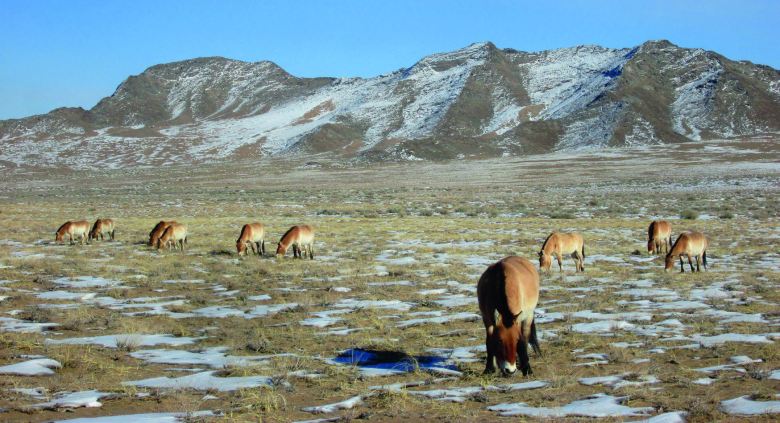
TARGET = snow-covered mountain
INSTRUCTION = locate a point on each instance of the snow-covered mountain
(474, 102)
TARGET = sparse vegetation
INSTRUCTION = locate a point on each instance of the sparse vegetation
(429, 260)
(689, 214)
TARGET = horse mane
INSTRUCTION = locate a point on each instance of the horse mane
(63, 226)
(675, 244)
(287, 233)
(243, 230)
(502, 302)
(650, 231)
(547, 239)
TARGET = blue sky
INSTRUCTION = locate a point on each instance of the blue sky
(73, 53)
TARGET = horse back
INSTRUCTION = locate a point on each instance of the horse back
(510, 286)
(306, 234)
(698, 242)
(665, 229)
(159, 230)
(174, 232)
(79, 227)
(252, 232)
(570, 242)
(659, 229)
(693, 243)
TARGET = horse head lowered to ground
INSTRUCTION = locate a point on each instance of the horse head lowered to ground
(561, 244)
(690, 244)
(158, 230)
(176, 233)
(508, 292)
(301, 238)
(100, 227)
(73, 229)
(254, 234)
(659, 235)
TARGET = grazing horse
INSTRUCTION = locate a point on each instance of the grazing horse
(254, 234)
(175, 233)
(659, 234)
(158, 230)
(73, 229)
(691, 244)
(560, 244)
(100, 227)
(301, 237)
(508, 292)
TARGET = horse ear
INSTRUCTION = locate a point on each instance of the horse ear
(496, 316)
(517, 316)
(541, 253)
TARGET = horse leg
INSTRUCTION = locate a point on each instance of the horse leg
(311, 251)
(560, 262)
(690, 262)
(522, 349)
(682, 265)
(698, 268)
(490, 366)
(262, 247)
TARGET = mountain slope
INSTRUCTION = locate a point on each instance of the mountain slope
(473, 102)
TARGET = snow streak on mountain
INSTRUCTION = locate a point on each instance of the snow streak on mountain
(478, 101)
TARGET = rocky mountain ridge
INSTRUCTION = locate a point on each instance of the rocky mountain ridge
(479, 101)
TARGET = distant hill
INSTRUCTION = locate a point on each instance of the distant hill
(479, 101)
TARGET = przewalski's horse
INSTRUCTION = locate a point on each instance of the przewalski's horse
(158, 230)
(659, 234)
(691, 244)
(560, 244)
(254, 234)
(508, 292)
(100, 227)
(73, 229)
(173, 234)
(301, 238)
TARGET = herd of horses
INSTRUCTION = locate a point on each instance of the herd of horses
(172, 234)
(507, 291)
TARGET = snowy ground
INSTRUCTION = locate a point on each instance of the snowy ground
(383, 324)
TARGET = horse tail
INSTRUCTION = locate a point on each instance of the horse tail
(533, 340)
(582, 259)
(704, 258)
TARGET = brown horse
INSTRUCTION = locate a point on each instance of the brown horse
(73, 229)
(301, 238)
(100, 227)
(173, 234)
(691, 244)
(560, 244)
(158, 230)
(659, 234)
(254, 234)
(508, 292)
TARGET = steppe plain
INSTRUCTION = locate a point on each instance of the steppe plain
(206, 336)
